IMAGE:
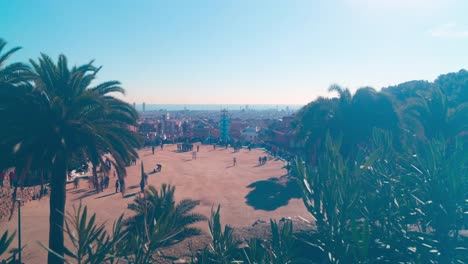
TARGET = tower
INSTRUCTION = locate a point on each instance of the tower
(224, 126)
(144, 106)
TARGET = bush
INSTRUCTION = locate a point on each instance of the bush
(387, 207)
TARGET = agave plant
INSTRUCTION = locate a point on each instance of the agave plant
(5, 242)
(223, 247)
(283, 247)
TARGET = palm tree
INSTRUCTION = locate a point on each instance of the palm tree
(352, 117)
(12, 73)
(158, 222)
(61, 117)
(429, 114)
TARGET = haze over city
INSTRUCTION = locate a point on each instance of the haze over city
(244, 52)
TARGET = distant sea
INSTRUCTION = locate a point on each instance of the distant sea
(215, 107)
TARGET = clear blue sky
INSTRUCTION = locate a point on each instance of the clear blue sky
(244, 51)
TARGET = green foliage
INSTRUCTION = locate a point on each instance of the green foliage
(280, 249)
(14, 73)
(158, 222)
(348, 118)
(223, 247)
(5, 242)
(388, 206)
(59, 116)
(90, 242)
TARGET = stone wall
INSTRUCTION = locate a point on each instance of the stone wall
(26, 194)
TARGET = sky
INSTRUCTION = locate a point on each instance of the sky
(244, 51)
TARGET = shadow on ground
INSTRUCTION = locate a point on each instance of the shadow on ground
(86, 194)
(273, 193)
(106, 195)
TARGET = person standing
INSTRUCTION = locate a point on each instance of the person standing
(234, 161)
(198, 148)
(75, 182)
(152, 149)
(117, 186)
(106, 181)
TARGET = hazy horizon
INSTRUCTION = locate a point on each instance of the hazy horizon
(216, 107)
(249, 52)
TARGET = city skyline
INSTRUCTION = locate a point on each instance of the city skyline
(244, 52)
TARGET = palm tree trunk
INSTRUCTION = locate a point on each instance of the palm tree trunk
(57, 210)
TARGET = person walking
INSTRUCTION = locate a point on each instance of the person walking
(198, 148)
(152, 149)
(234, 161)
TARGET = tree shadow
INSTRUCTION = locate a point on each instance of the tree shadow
(76, 191)
(88, 193)
(106, 195)
(273, 193)
(134, 186)
(130, 195)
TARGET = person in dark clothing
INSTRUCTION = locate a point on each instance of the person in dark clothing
(117, 186)
(75, 182)
(106, 181)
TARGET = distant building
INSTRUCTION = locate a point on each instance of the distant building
(144, 106)
(236, 125)
(249, 134)
(224, 126)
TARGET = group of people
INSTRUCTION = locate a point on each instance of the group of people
(11, 176)
(101, 182)
(184, 147)
(262, 160)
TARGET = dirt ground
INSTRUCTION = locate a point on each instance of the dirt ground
(247, 192)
